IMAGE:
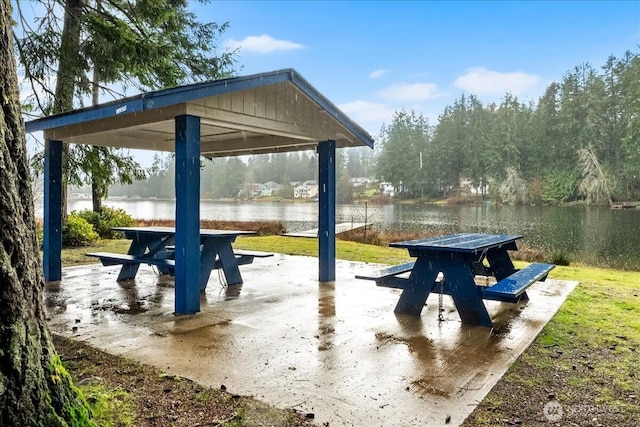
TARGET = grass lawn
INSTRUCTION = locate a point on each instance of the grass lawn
(587, 358)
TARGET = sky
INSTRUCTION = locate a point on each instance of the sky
(372, 58)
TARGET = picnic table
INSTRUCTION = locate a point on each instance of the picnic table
(449, 264)
(155, 246)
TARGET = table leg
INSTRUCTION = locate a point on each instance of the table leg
(222, 248)
(500, 263)
(417, 288)
(460, 285)
(207, 261)
(139, 245)
(229, 263)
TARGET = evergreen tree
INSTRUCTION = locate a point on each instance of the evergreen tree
(573, 115)
(401, 159)
(478, 142)
(505, 149)
(546, 131)
(449, 144)
(628, 72)
(146, 44)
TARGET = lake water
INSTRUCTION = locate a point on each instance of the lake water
(596, 236)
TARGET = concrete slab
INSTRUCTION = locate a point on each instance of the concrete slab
(334, 349)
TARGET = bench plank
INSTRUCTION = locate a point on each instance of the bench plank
(254, 254)
(387, 272)
(238, 253)
(512, 287)
(109, 258)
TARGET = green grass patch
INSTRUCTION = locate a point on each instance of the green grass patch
(77, 255)
(205, 396)
(589, 351)
(346, 250)
(109, 408)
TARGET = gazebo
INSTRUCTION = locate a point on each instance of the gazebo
(262, 113)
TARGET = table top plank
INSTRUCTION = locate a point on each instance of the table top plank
(459, 242)
(168, 231)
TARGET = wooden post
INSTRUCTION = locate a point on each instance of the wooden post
(52, 215)
(327, 210)
(187, 252)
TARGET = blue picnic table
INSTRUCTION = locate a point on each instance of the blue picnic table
(155, 246)
(449, 264)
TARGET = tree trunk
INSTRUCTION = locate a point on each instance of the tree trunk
(35, 390)
(96, 196)
(66, 77)
(96, 190)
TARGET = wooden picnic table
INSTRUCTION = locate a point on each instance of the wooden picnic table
(448, 265)
(155, 246)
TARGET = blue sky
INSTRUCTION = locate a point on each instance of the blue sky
(371, 58)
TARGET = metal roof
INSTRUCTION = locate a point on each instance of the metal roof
(262, 113)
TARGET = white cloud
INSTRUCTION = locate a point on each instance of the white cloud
(261, 45)
(378, 73)
(480, 81)
(410, 91)
(370, 112)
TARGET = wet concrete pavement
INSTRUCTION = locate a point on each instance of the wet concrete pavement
(334, 349)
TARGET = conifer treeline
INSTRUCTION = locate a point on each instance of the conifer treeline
(580, 141)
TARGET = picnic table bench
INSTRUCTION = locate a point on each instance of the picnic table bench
(242, 256)
(512, 288)
(166, 262)
(155, 246)
(387, 276)
(449, 264)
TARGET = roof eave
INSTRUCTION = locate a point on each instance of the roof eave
(185, 94)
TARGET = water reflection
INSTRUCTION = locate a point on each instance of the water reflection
(326, 315)
(54, 298)
(596, 236)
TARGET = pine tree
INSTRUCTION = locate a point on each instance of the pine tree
(109, 46)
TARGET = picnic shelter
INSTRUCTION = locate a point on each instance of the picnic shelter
(263, 113)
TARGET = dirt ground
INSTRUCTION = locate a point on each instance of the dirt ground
(164, 400)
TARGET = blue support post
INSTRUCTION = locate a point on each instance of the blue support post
(187, 252)
(52, 215)
(327, 210)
